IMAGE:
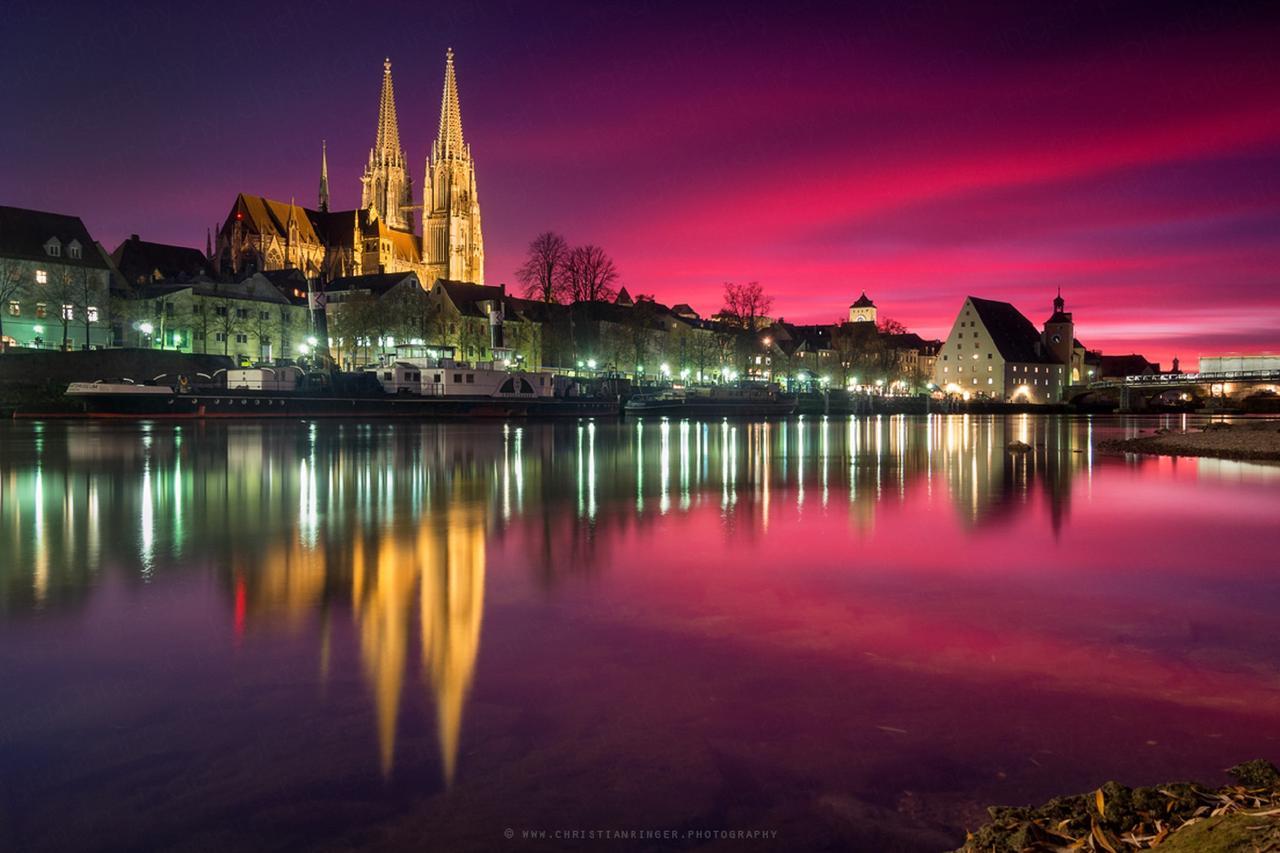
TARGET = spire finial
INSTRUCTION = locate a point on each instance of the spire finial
(386, 65)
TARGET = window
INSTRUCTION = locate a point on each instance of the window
(220, 337)
(42, 277)
(197, 308)
(990, 380)
(68, 311)
(168, 309)
(92, 312)
(197, 335)
(959, 334)
(242, 313)
(988, 355)
(457, 377)
(264, 315)
(960, 370)
(220, 310)
(471, 377)
(42, 310)
(53, 248)
(989, 368)
(946, 370)
(436, 379)
(15, 310)
(73, 249)
(386, 376)
(242, 338)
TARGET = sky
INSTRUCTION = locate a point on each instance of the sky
(920, 152)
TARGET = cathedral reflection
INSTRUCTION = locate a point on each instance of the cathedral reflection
(391, 525)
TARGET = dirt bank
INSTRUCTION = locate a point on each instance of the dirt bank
(1249, 440)
(1178, 817)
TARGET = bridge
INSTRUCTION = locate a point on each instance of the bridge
(1217, 386)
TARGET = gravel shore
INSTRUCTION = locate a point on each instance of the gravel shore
(1252, 440)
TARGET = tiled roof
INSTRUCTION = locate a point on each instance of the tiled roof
(376, 283)
(24, 233)
(863, 302)
(140, 260)
(1013, 334)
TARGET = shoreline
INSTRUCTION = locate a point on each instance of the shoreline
(1255, 441)
(1179, 817)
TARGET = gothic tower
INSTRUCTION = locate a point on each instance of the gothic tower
(451, 239)
(385, 186)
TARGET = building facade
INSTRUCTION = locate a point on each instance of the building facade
(993, 351)
(54, 282)
(378, 238)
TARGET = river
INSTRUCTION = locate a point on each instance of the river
(847, 631)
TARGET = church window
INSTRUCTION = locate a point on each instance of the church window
(42, 277)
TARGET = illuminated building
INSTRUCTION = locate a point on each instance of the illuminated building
(54, 282)
(378, 238)
(993, 351)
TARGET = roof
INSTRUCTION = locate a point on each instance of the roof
(1013, 334)
(912, 341)
(376, 283)
(141, 261)
(1125, 365)
(863, 302)
(24, 233)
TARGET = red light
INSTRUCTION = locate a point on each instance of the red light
(239, 215)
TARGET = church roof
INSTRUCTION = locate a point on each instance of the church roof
(268, 216)
(141, 261)
(623, 298)
(1013, 334)
(863, 302)
(24, 233)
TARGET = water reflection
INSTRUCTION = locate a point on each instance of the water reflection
(393, 523)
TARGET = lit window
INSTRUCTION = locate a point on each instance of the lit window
(92, 312)
(15, 310)
(946, 370)
(41, 310)
(68, 311)
(990, 380)
(42, 277)
(989, 368)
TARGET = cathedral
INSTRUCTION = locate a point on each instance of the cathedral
(264, 234)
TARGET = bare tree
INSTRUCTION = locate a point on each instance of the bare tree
(745, 305)
(588, 274)
(226, 319)
(541, 271)
(11, 284)
(890, 326)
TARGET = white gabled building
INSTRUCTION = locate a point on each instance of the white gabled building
(994, 351)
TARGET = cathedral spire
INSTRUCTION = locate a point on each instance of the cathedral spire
(385, 189)
(449, 140)
(324, 178)
(386, 145)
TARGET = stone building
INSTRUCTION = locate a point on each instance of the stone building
(262, 234)
(250, 320)
(994, 351)
(55, 282)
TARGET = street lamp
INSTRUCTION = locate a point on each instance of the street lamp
(591, 364)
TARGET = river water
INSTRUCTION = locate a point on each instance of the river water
(849, 632)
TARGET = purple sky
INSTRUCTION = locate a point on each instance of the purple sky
(920, 152)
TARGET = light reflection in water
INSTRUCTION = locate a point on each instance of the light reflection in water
(396, 524)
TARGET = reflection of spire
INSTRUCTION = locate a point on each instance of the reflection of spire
(452, 610)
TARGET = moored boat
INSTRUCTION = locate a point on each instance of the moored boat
(752, 399)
